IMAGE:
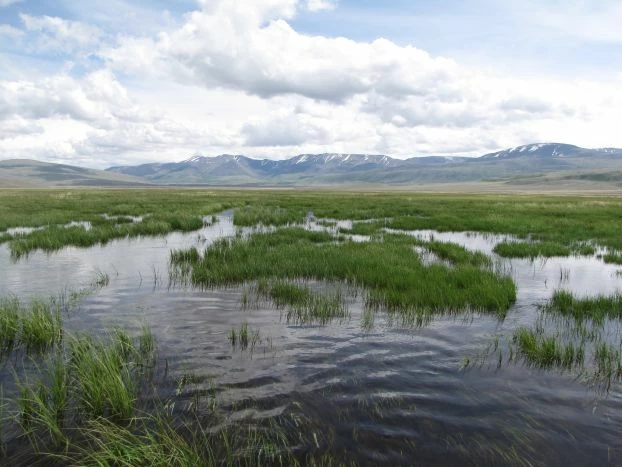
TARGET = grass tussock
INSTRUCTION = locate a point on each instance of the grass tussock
(613, 258)
(388, 269)
(36, 327)
(302, 305)
(457, 254)
(581, 309)
(608, 361)
(547, 351)
(531, 250)
(89, 379)
(56, 237)
(252, 215)
(244, 337)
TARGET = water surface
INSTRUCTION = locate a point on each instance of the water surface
(389, 394)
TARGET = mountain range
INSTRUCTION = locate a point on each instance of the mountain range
(333, 169)
(522, 165)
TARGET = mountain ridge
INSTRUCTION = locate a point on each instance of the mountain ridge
(335, 168)
(567, 162)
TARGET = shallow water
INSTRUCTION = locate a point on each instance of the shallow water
(389, 395)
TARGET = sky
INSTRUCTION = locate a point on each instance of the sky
(120, 82)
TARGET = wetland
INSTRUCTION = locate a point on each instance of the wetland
(198, 327)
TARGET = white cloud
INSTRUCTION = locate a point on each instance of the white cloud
(60, 36)
(5, 3)
(92, 120)
(236, 77)
(320, 5)
(9, 31)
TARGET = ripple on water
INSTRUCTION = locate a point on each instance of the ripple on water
(389, 395)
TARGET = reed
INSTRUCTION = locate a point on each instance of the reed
(596, 309)
(608, 361)
(9, 324)
(613, 258)
(547, 351)
(41, 326)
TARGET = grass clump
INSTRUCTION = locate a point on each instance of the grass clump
(252, 215)
(157, 443)
(363, 228)
(608, 361)
(595, 309)
(613, 258)
(244, 337)
(457, 254)
(388, 269)
(547, 351)
(88, 380)
(531, 250)
(9, 323)
(56, 237)
(41, 326)
(303, 305)
(103, 377)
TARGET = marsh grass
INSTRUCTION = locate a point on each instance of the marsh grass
(252, 215)
(103, 230)
(558, 219)
(363, 228)
(457, 254)
(89, 379)
(531, 250)
(596, 309)
(389, 270)
(547, 351)
(608, 361)
(612, 258)
(9, 324)
(41, 326)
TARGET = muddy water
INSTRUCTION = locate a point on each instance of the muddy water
(388, 395)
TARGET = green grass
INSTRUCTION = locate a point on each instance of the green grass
(244, 337)
(457, 254)
(41, 326)
(389, 270)
(88, 380)
(531, 250)
(563, 220)
(253, 215)
(363, 228)
(541, 249)
(612, 258)
(608, 361)
(36, 327)
(9, 323)
(302, 305)
(566, 220)
(547, 351)
(595, 309)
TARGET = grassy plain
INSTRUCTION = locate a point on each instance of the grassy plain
(560, 219)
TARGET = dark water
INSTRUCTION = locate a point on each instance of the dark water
(385, 395)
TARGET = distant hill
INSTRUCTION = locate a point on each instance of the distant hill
(25, 172)
(563, 164)
(334, 169)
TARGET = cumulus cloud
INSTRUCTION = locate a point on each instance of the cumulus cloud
(285, 130)
(92, 119)
(254, 50)
(237, 77)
